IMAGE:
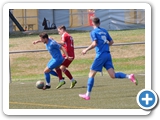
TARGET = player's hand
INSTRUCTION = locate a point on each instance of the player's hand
(34, 42)
(84, 52)
(69, 58)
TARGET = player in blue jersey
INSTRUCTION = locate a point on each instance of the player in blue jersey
(57, 59)
(101, 40)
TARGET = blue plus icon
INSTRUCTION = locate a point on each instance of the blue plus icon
(147, 99)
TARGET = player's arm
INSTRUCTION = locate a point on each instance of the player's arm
(109, 38)
(61, 42)
(37, 41)
(64, 51)
(93, 45)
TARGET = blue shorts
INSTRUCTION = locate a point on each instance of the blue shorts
(104, 60)
(52, 64)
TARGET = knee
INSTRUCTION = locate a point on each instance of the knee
(112, 76)
(63, 69)
(46, 70)
(92, 74)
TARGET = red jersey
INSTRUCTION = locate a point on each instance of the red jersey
(68, 44)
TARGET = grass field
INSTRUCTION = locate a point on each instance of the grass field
(27, 68)
(107, 94)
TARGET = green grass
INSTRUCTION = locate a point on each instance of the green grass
(125, 64)
(22, 59)
(107, 94)
(12, 45)
(128, 59)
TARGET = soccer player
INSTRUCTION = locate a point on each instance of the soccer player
(101, 40)
(57, 59)
(68, 44)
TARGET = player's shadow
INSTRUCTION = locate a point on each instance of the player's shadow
(76, 87)
(79, 87)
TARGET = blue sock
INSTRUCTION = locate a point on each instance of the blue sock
(47, 77)
(120, 75)
(53, 73)
(90, 84)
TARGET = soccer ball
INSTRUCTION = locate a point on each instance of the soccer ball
(40, 84)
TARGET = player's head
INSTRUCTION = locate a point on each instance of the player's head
(44, 37)
(61, 29)
(95, 21)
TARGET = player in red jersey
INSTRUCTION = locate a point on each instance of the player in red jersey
(68, 44)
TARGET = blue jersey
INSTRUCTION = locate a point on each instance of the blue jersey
(54, 49)
(102, 37)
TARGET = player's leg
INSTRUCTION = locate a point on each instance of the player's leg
(113, 75)
(52, 72)
(90, 84)
(96, 66)
(59, 72)
(63, 67)
(122, 75)
(47, 77)
(47, 71)
(52, 64)
(109, 67)
(61, 79)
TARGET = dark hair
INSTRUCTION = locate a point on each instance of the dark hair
(62, 27)
(96, 20)
(43, 35)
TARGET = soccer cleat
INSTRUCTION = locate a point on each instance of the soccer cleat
(133, 79)
(84, 96)
(73, 83)
(46, 87)
(60, 84)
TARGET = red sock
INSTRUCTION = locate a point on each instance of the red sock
(59, 72)
(68, 74)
